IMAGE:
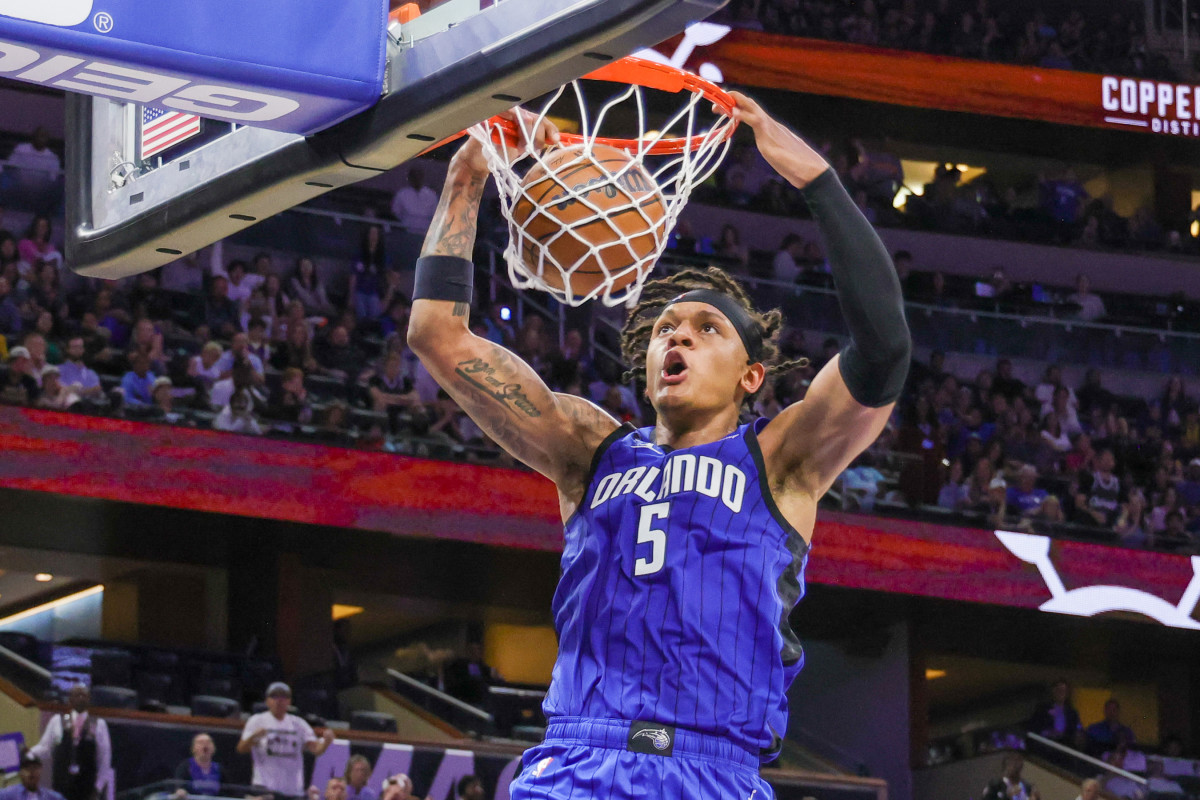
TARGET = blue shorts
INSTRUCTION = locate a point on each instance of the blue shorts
(608, 759)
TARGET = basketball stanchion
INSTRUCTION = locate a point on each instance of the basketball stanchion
(589, 219)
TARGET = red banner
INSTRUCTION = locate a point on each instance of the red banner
(904, 78)
(231, 474)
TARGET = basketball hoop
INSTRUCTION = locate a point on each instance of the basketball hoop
(588, 254)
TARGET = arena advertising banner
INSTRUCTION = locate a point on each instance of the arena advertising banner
(813, 66)
(308, 483)
(148, 752)
(290, 66)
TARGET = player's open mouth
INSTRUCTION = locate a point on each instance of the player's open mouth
(674, 368)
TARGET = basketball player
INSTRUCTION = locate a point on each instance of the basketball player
(686, 541)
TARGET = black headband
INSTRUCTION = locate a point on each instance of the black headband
(749, 330)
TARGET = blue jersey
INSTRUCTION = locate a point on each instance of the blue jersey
(678, 576)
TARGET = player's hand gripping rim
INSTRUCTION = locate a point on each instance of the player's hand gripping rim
(514, 141)
(790, 155)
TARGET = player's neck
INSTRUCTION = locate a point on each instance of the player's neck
(680, 433)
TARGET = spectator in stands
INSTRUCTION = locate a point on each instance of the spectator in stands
(730, 247)
(398, 787)
(257, 344)
(241, 282)
(1053, 435)
(1025, 499)
(1099, 498)
(36, 155)
(146, 339)
(220, 314)
(305, 285)
(292, 403)
(1118, 784)
(237, 416)
(276, 298)
(239, 350)
(241, 376)
(79, 747)
(1106, 734)
(296, 351)
(277, 741)
(392, 393)
(1064, 410)
(997, 501)
(1089, 790)
(199, 774)
(358, 772)
(1092, 394)
(54, 395)
(1010, 786)
(469, 676)
(10, 313)
(1091, 307)
(138, 382)
(35, 343)
(339, 356)
(953, 496)
(1057, 718)
(1174, 403)
(36, 246)
(1167, 502)
(469, 787)
(862, 483)
(1133, 524)
(786, 266)
(204, 367)
(1175, 536)
(335, 789)
(76, 375)
(29, 774)
(1005, 383)
(1157, 784)
(414, 204)
(366, 280)
(19, 387)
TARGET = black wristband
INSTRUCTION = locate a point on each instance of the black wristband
(449, 278)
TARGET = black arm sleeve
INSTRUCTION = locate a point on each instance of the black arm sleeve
(875, 363)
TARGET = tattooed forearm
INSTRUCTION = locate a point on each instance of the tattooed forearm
(456, 218)
(482, 376)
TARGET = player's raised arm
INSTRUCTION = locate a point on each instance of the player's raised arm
(808, 445)
(555, 434)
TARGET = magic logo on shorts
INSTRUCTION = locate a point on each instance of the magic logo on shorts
(61, 13)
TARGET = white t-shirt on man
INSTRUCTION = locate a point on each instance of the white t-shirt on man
(279, 756)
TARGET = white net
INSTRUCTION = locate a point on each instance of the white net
(586, 222)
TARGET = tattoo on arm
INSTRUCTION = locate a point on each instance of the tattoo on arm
(482, 376)
(456, 219)
(460, 309)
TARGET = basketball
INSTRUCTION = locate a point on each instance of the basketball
(588, 217)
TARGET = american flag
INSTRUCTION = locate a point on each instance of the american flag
(162, 129)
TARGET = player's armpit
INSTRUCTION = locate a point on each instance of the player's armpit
(809, 443)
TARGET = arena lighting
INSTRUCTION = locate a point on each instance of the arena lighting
(934, 674)
(342, 611)
(53, 604)
(43, 577)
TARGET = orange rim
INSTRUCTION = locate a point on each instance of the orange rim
(650, 75)
(640, 72)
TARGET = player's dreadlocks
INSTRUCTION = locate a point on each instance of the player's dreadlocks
(638, 329)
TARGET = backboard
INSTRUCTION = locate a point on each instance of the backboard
(445, 70)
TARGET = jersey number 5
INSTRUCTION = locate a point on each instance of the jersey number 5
(655, 537)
